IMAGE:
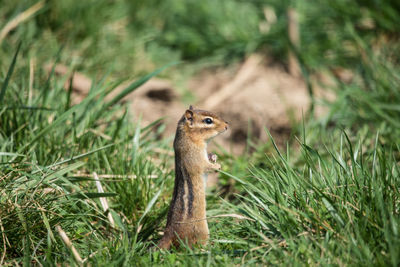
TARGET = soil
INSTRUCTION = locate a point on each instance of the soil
(264, 96)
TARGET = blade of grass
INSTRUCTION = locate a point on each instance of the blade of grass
(79, 156)
(60, 119)
(133, 86)
(12, 24)
(147, 209)
(9, 73)
(82, 195)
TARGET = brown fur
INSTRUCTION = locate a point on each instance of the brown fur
(187, 213)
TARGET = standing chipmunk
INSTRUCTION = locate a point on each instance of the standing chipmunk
(186, 219)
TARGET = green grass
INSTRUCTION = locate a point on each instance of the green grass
(339, 206)
(331, 198)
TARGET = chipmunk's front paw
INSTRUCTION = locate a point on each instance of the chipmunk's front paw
(213, 165)
(212, 157)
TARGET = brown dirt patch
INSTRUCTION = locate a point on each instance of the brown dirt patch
(260, 94)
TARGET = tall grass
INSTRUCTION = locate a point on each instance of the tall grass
(339, 205)
(334, 201)
(44, 148)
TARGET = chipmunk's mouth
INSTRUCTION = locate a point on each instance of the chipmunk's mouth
(226, 126)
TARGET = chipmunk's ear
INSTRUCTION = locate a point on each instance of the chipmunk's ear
(189, 115)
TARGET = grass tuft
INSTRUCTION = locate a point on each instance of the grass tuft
(332, 198)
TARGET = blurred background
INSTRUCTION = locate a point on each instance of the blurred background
(83, 85)
(258, 63)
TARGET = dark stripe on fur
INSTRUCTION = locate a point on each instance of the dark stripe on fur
(177, 201)
(190, 189)
(180, 178)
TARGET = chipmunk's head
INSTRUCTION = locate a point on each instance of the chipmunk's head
(204, 124)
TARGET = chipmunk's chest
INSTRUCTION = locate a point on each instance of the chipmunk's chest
(205, 154)
(204, 175)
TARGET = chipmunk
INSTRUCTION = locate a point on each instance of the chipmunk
(186, 219)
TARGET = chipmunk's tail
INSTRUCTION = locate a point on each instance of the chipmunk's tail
(166, 241)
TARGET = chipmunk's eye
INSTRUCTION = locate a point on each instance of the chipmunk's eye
(208, 120)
